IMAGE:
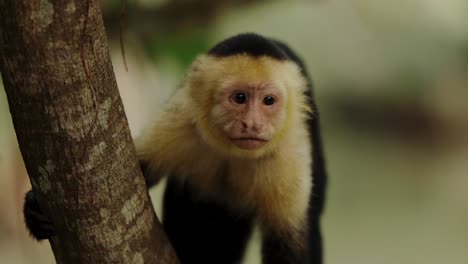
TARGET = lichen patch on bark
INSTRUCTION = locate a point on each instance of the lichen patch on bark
(138, 258)
(95, 157)
(103, 114)
(142, 224)
(132, 208)
(110, 237)
(105, 214)
(70, 8)
(44, 182)
(44, 15)
(96, 152)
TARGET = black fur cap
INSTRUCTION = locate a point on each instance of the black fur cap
(248, 43)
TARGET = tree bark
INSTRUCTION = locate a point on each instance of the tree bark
(73, 133)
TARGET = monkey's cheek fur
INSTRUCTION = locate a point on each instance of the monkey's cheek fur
(248, 143)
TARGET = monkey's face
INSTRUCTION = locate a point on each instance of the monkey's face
(248, 115)
(244, 106)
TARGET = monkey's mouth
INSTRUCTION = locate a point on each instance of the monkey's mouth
(249, 143)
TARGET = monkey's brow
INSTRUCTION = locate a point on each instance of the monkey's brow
(258, 86)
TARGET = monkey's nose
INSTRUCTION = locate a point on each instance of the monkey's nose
(249, 126)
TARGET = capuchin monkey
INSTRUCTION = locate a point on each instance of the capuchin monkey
(240, 144)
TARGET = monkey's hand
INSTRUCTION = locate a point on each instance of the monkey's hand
(37, 223)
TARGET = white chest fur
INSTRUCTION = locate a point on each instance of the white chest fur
(252, 253)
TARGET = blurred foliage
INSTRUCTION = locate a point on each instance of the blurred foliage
(182, 48)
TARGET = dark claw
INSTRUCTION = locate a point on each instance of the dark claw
(37, 223)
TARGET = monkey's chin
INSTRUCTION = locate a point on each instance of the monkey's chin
(248, 143)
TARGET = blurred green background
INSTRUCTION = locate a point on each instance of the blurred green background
(391, 80)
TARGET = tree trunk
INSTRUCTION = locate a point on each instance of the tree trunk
(73, 133)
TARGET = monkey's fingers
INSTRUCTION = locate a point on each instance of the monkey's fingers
(38, 224)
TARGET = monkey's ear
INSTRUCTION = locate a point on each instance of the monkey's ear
(38, 224)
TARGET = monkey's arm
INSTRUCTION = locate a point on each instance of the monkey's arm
(285, 248)
(302, 248)
(166, 147)
(286, 216)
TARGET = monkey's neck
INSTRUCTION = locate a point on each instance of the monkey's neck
(250, 183)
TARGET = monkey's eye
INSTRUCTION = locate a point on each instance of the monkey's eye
(239, 98)
(269, 100)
